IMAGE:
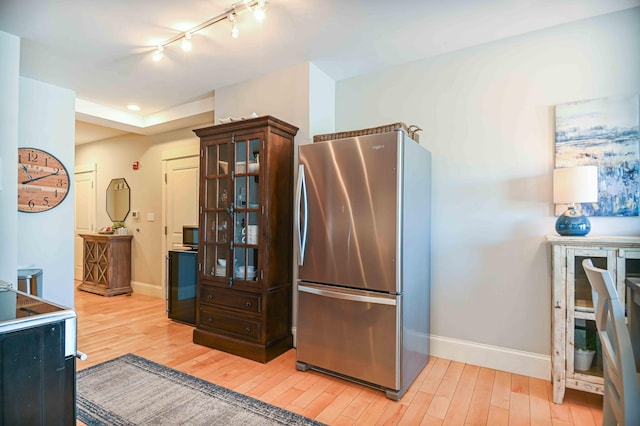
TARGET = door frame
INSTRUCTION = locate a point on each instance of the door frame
(165, 156)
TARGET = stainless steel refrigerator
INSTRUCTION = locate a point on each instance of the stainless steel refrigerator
(363, 214)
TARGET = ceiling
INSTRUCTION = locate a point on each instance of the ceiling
(102, 49)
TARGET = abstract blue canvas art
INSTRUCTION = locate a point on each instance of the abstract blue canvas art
(604, 133)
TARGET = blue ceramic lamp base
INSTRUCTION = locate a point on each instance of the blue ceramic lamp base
(572, 223)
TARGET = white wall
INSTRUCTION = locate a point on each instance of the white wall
(283, 94)
(45, 239)
(9, 84)
(322, 102)
(488, 118)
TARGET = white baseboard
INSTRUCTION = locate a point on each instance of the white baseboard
(148, 289)
(495, 357)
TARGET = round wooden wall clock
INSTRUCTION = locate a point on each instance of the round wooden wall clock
(43, 181)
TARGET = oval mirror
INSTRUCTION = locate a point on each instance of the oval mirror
(118, 200)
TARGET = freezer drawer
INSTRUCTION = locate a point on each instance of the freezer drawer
(350, 332)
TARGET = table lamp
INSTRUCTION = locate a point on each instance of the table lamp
(574, 185)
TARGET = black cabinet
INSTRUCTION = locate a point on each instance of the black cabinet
(38, 380)
(182, 275)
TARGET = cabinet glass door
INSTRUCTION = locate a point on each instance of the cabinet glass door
(580, 301)
(217, 208)
(582, 297)
(246, 236)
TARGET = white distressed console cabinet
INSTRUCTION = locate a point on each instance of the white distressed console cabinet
(572, 306)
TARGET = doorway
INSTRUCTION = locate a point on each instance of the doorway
(85, 212)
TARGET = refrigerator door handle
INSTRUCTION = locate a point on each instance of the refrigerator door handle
(346, 296)
(301, 195)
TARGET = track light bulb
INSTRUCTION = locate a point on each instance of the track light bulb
(258, 12)
(186, 42)
(235, 32)
(159, 53)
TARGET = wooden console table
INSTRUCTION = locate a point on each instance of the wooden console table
(106, 266)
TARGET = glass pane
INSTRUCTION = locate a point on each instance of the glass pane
(241, 193)
(222, 262)
(588, 351)
(240, 229)
(210, 187)
(221, 227)
(252, 229)
(209, 259)
(632, 268)
(241, 157)
(254, 155)
(209, 228)
(254, 194)
(212, 160)
(223, 195)
(583, 299)
(246, 264)
(223, 166)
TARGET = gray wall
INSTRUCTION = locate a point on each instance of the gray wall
(488, 118)
(9, 83)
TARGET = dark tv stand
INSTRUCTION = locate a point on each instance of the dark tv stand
(182, 276)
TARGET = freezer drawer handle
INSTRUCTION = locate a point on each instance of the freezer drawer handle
(347, 296)
(301, 195)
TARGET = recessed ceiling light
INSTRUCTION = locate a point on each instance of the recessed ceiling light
(133, 107)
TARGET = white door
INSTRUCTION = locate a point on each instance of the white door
(181, 198)
(85, 214)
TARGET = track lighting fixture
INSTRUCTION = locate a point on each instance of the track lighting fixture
(255, 6)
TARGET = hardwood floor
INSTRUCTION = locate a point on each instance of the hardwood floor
(446, 392)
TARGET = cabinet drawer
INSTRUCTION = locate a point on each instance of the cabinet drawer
(247, 302)
(217, 321)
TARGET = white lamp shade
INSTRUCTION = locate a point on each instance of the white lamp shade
(575, 184)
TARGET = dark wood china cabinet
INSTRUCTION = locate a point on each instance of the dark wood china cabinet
(246, 238)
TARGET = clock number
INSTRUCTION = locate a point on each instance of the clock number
(46, 163)
(59, 183)
(45, 201)
(33, 156)
(55, 193)
(31, 204)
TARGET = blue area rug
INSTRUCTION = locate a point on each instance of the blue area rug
(130, 390)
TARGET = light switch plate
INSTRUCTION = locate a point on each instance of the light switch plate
(151, 217)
